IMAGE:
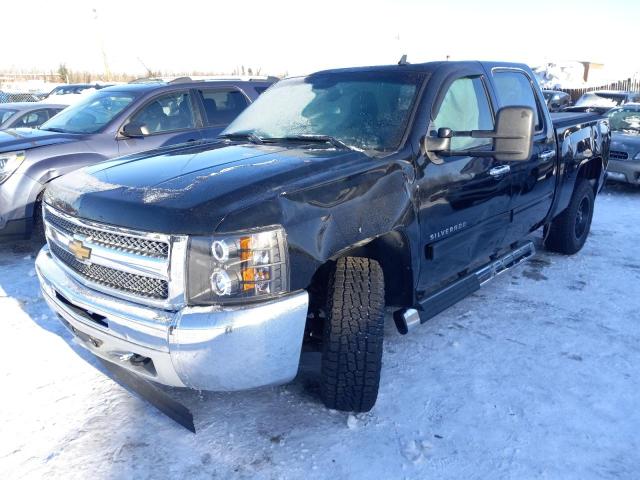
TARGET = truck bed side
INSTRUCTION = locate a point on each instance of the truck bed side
(582, 138)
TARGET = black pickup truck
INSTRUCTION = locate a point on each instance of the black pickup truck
(333, 199)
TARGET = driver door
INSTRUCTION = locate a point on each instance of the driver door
(463, 199)
(167, 119)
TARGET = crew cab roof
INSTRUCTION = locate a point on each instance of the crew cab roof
(427, 67)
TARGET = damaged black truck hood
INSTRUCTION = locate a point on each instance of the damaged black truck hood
(190, 190)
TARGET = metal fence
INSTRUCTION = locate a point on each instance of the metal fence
(630, 84)
(6, 97)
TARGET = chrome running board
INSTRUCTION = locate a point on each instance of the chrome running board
(459, 289)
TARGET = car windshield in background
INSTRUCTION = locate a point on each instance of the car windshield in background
(69, 90)
(5, 114)
(363, 110)
(625, 120)
(91, 114)
(593, 99)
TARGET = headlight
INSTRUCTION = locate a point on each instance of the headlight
(637, 157)
(232, 268)
(9, 162)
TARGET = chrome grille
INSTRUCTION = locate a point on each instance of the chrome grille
(617, 155)
(125, 243)
(135, 265)
(109, 277)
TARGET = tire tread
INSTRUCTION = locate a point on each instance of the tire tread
(353, 333)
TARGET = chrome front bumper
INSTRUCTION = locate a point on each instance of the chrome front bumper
(206, 348)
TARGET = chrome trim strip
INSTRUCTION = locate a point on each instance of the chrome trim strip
(176, 269)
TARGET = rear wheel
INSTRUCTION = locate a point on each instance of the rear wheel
(352, 337)
(569, 231)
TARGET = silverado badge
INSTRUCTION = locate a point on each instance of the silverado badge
(79, 251)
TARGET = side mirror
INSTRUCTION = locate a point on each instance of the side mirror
(514, 134)
(513, 138)
(135, 130)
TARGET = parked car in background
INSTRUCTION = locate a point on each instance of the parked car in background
(601, 101)
(74, 88)
(71, 93)
(4, 97)
(27, 114)
(556, 100)
(624, 163)
(333, 197)
(111, 122)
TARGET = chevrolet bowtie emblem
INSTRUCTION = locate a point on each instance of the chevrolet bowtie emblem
(79, 251)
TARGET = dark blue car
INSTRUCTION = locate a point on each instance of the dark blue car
(112, 122)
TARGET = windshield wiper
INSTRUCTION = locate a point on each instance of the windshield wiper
(252, 137)
(313, 138)
(54, 129)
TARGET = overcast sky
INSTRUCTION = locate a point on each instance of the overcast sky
(297, 37)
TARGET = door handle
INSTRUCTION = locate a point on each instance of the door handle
(547, 154)
(502, 170)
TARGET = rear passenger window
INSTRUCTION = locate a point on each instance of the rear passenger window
(222, 106)
(514, 88)
(465, 107)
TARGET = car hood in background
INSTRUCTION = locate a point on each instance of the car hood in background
(621, 142)
(27, 138)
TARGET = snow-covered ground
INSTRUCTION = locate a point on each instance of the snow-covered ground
(534, 376)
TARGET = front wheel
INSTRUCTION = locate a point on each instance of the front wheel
(570, 229)
(38, 234)
(352, 337)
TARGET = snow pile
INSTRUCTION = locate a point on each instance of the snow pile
(534, 376)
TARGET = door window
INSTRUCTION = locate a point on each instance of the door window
(166, 113)
(514, 88)
(222, 106)
(465, 107)
(33, 119)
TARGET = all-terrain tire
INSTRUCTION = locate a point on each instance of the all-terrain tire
(352, 337)
(569, 230)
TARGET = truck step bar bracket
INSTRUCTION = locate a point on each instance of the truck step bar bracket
(439, 301)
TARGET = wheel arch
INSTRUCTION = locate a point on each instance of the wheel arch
(393, 252)
(593, 171)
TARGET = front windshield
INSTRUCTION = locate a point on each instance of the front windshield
(364, 110)
(625, 120)
(599, 99)
(5, 114)
(91, 114)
